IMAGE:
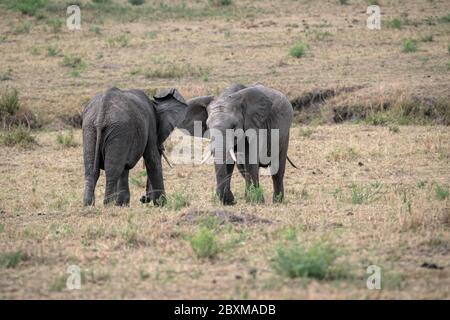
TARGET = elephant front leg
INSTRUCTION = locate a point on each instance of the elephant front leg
(155, 182)
(223, 188)
(146, 198)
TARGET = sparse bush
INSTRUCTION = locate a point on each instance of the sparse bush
(177, 200)
(22, 28)
(9, 103)
(56, 24)
(171, 70)
(136, 2)
(204, 243)
(19, 136)
(394, 23)
(448, 48)
(445, 18)
(343, 2)
(343, 154)
(294, 260)
(255, 194)
(120, 41)
(298, 50)
(53, 50)
(442, 192)
(11, 259)
(365, 194)
(66, 140)
(409, 45)
(306, 132)
(221, 2)
(394, 129)
(29, 7)
(73, 62)
(427, 38)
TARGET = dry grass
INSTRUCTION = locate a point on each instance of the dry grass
(378, 194)
(402, 226)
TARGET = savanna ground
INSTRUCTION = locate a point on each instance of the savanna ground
(373, 190)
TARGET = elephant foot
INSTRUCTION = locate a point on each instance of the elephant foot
(160, 201)
(278, 198)
(228, 199)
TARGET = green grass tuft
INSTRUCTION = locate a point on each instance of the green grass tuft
(294, 260)
(255, 194)
(409, 45)
(177, 200)
(204, 243)
(298, 50)
(11, 259)
(441, 192)
(66, 140)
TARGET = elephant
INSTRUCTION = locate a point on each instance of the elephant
(121, 126)
(240, 107)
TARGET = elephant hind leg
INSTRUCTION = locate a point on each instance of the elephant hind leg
(155, 182)
(277, 179)
(123, 190)
(89, 189)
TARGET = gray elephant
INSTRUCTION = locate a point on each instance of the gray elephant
(239, 107)
(120, 127)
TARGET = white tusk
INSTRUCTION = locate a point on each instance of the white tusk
(207, 156)
(233, 156)
(167, 159)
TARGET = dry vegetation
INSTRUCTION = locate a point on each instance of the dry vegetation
(375, 191)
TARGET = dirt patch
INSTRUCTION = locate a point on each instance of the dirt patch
(223, 216)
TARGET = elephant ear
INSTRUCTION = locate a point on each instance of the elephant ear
(256, 108)
(170, 109)
(196, 112)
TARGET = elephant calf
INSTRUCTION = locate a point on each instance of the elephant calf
(120, 127)
(246, 109)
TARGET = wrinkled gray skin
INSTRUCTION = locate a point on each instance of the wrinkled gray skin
(240, 107)
(120, 127)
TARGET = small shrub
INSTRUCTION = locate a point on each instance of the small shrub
(448, 48)
(53, 51)
(395, 23)
(427, 38)
(204, 244)
(73, 62)
(56, 24)
(394, 129)
(136, 2)
(9, 103)
(22, 28)
(255, 194)
(298, 50)
(221, 2)
(445, 18)
(177, 200)
(442, 192)
(306, 133)
(294, 261)
(409, 45)
(120, 41)
(11, 259)
(66, 140)
(365, 194)
(19, 136)
(343, 154)
(29, 7)
(171, 70)
(7, 75)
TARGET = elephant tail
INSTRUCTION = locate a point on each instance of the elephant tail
(292, 164)
(97, 151)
